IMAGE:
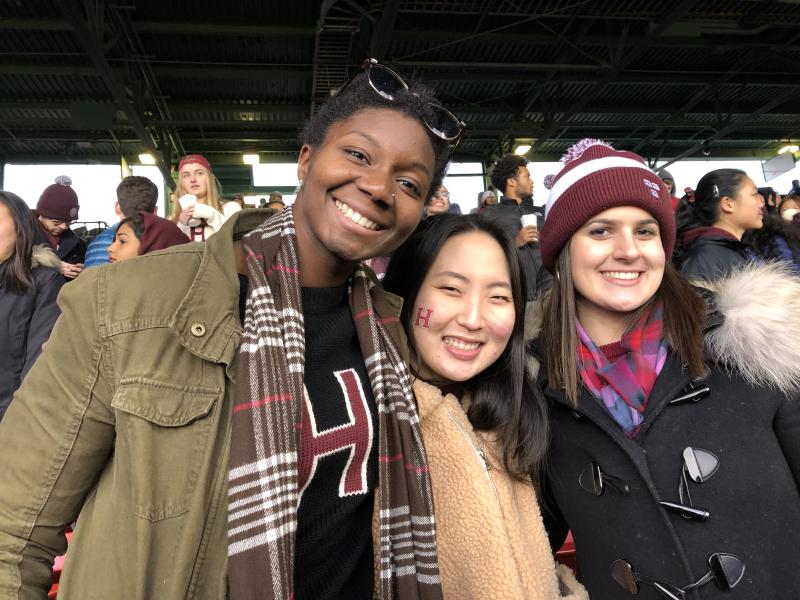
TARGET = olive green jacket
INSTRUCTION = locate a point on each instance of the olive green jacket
(124, 424)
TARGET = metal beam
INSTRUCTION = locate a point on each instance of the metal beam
(73, 12)
(382, 34)
(676, 13)
(736, 125)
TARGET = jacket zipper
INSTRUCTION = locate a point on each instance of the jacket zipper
(480, 452)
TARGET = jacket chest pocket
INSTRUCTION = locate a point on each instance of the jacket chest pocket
(163, 434)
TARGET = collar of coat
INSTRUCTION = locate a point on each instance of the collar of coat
(752, 325)
(212, 300)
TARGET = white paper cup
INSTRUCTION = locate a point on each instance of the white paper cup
(528, 220)
(187, 200)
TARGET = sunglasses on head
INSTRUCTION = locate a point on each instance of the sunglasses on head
(388, 84)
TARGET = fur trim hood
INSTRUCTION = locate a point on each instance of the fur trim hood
(759, 335)
(753, 326)
(42, 256)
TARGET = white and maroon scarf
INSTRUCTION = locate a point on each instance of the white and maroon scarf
(263, 494)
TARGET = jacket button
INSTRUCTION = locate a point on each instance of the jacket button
(198, 329)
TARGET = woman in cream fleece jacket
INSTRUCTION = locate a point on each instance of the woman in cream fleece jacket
(483, 423)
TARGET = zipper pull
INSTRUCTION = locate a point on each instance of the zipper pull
(482, 454)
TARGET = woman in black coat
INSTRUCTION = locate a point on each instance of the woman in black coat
(675, 453)
(712, 221)
(30, 279)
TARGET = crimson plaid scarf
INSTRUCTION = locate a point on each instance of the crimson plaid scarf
(263, 490)
(624, 385)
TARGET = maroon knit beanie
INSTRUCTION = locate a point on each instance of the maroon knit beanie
(595, 177)
(194, 159)
(59, 201)
(159, 233)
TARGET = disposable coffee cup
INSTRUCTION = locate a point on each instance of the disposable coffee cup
(528, 220)
(187, 200)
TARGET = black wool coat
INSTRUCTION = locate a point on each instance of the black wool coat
(26, 320)
(709, 258)
(507, 213)
(753, 498)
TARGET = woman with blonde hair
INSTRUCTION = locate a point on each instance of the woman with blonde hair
(197, 205)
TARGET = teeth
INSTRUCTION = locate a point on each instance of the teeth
(621, 275)
(459, 345)
(355, 217)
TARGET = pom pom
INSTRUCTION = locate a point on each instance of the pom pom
(64, 180)
(576, 151)
(549, 180)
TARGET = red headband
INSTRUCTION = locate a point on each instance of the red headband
(194, 158)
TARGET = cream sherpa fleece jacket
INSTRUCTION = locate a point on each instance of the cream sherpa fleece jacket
(490, 545)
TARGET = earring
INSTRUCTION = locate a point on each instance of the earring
(300, 184)
(394, 197)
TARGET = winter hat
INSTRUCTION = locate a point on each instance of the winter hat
(194, 158)
(596, 177)
(664, 175)
(159, 233)
(484, 195)
(59, 201)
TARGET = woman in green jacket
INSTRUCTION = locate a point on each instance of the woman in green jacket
(225, 420)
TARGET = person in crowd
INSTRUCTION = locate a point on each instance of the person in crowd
(142, 233)
(511, 177)
(134, 194)
(771, 199)
(439, 204)
(669, 181)
(234, 417)
(779, 238)
(57, 208)
(484, 424)
(711, 222)
(675, 452)
(789, 208)
(30, 279)
(795, 189)
(197, 205)
(485, 198)
(276, 201)
(238, 199)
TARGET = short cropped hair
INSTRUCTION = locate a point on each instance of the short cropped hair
(358, 96)
(135, 193)
(505, 169)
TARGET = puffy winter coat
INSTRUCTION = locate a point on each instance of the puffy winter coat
(489, 532)
(26, 320)
(749, 419)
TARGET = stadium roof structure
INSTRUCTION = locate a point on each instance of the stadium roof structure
(91, 81)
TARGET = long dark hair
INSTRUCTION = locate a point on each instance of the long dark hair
(684, 315)
(701, 208)
(503, 398)
(763, 241)
(16, 271)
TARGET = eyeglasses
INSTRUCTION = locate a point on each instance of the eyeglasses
(699, 465)
(442, 194)
(388, 84)
(59, 222)
(725, 570)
